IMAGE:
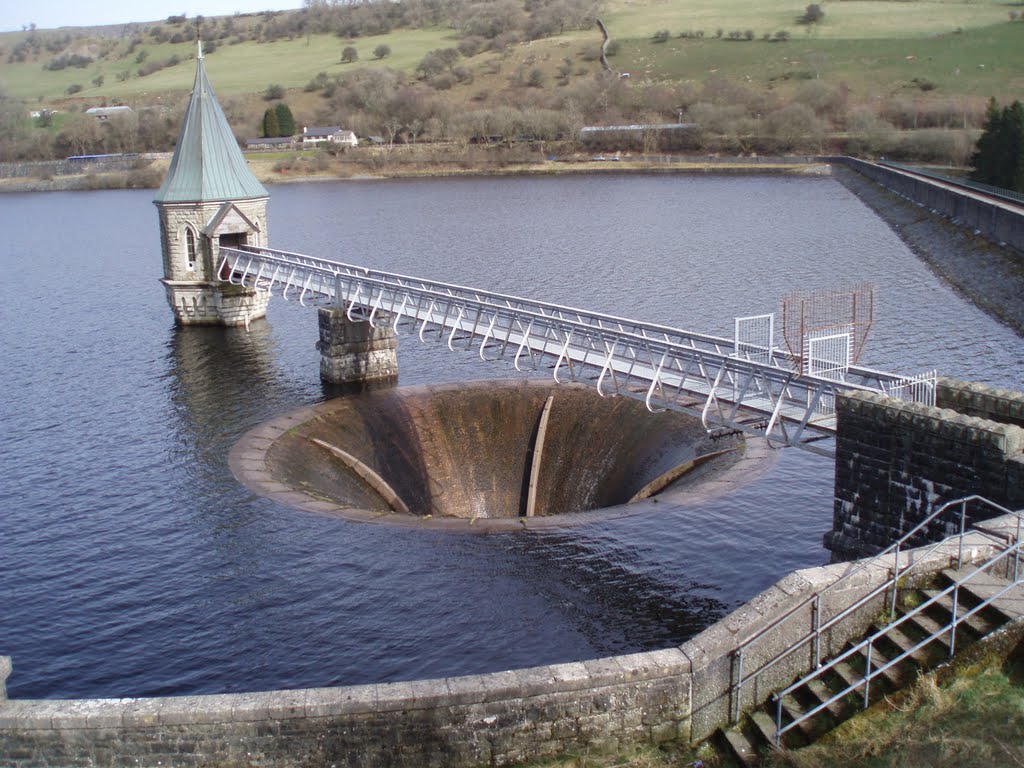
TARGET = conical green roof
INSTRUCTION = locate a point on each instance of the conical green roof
(207, 164)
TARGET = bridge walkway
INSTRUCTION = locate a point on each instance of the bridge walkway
(752, 387)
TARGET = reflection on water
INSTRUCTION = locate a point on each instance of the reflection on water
(135, 564)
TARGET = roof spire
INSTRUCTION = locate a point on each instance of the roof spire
(208, 164)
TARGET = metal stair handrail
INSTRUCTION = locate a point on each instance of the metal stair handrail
(956, 619)
(814, 601)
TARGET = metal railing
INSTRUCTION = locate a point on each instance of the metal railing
(663, 366)
(814, 602)
(986, 189)
(867, 645)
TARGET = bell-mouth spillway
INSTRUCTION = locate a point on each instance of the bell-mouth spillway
(487, 454)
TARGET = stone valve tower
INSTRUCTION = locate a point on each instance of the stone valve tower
(209, 200)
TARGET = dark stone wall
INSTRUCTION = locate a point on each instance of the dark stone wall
(984, 402)
(897, 462)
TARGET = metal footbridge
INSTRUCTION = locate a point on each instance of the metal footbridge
(744, 383)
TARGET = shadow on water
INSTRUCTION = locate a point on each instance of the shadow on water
(616, 601)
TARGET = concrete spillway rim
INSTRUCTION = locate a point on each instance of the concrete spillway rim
(247, 461)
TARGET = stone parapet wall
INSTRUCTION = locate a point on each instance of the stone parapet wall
(44, 168)
(984, 402)
(498, 719)
(897, 462)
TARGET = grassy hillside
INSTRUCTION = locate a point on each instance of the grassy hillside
(847, 20)
(867, 67)
(235, 69)
(978, 61)
(962, 47)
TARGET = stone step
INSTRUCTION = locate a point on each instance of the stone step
(929, 627)
(983, 585)
(977, 623)
(764, 727)
(847, 677)
(892, 675)
(742, 748)
(904, 644)
(821, 693)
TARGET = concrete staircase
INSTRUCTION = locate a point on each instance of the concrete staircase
(918, 639)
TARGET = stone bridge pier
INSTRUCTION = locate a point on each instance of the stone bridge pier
(897, 461)
(356, 351)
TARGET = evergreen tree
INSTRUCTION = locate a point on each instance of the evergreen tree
(285, 120)
(982, 159)
(999, 159)
(271, 129)
(1013, 125)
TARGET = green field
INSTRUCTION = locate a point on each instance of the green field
(878, 48)
(244, 68)
(847, 20)
(980, 62)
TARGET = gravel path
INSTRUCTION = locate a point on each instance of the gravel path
(990, 276)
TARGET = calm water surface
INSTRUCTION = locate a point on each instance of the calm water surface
(132, 563)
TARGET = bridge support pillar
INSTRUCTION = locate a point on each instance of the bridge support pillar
(355, 351)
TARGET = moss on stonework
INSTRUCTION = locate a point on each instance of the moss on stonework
(232, 290)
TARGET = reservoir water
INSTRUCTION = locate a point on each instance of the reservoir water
(132, 563)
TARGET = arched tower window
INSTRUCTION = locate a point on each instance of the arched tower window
(190, 249)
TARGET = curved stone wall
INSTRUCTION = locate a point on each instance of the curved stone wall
(498, 719)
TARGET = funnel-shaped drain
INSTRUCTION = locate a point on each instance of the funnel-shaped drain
(479, 450)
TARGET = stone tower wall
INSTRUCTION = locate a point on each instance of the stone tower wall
(193, 293)
(175, 217)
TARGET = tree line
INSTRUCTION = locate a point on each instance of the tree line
(730, 117)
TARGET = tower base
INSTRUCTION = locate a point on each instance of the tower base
(196, 303)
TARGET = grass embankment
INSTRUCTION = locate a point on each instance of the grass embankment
(968, 716)
(976, 62)
(427, 160)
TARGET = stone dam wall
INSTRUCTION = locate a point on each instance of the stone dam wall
(1002, 224)
(683, 693)
(897, 462)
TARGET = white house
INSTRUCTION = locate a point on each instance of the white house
(332, 134)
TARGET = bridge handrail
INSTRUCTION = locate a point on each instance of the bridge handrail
(452, 290)
(814, 601)
(439, 284)
(656, 345)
